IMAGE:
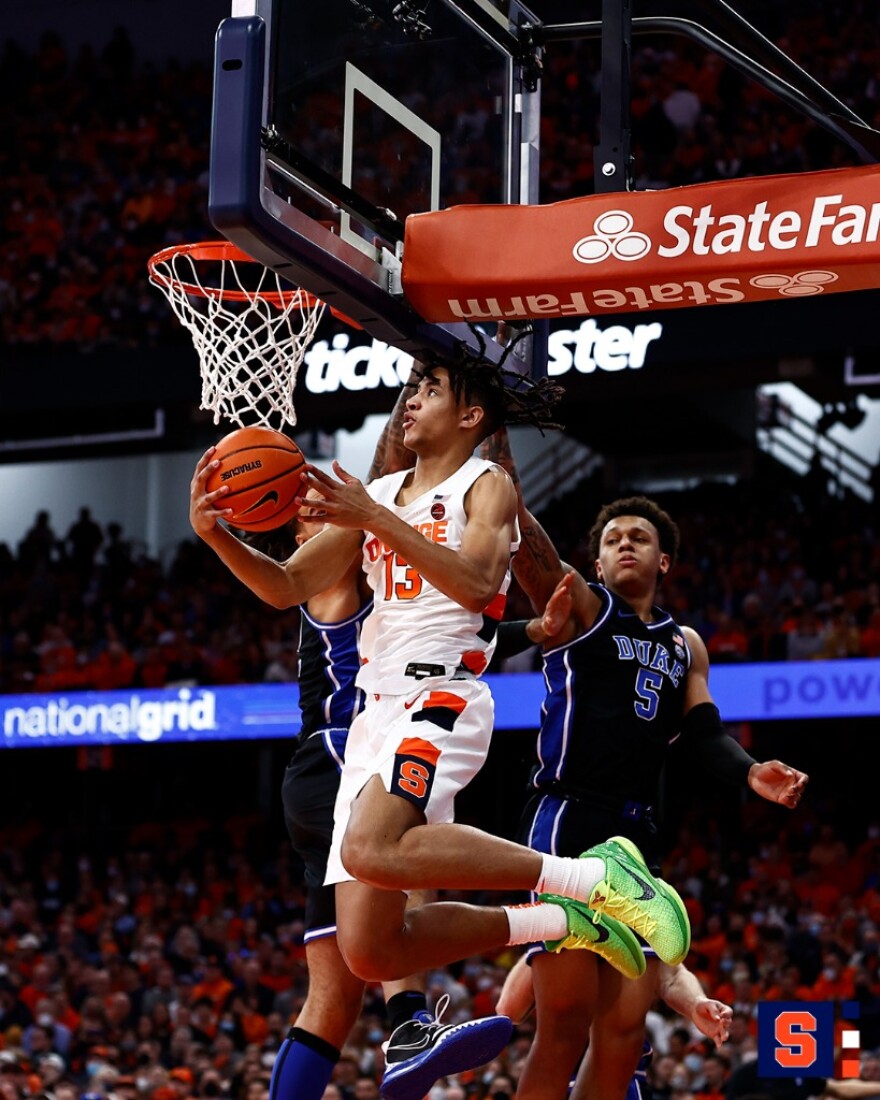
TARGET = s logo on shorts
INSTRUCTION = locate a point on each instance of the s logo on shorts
(415, 765)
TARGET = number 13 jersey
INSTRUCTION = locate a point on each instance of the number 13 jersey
(412, 622)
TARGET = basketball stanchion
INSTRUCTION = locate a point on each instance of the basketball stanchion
(250, 328)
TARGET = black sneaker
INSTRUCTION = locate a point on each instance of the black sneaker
(423, 1050)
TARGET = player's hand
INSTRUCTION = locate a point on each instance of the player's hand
(777, 782)
(206, 508)
(558, 609)
(713, 1019)
(343, 503)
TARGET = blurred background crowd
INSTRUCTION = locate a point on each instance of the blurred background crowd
(764, 574)
(165, 961)
(162, 958)
(103, 156)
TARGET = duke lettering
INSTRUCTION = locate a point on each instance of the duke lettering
(650, 655)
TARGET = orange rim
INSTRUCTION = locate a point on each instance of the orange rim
(220, 251)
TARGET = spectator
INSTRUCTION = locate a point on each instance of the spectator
(806, 641)
(82, 542)
(39, 544)
(841, 635)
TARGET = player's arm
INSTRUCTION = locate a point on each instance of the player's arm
(681, 990)
(516, 636)
(517, 997)
(710, 746)
(312, 569)
(472, 575)
(390, 454)
(537, 566)
(851, 1090)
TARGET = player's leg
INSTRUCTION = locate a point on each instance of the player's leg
(406, 754)
(617, 1034)
(565, 988)
(381, 939)
(406, 853)
(305, 1062)
(424, 1049)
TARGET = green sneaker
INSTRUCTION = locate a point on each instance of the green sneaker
(631, 894)
(595, 932)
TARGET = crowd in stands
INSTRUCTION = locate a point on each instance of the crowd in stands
(168, 963)
(103, 156)
(761, 576)
(165, 961)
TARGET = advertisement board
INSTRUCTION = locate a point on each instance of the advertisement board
(759, 692)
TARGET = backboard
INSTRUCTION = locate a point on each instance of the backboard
(334, 121)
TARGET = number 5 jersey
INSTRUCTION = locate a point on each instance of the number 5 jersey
(614, 704)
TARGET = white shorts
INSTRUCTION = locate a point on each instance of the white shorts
(426, 746)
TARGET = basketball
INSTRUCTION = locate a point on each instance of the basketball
(264, 470)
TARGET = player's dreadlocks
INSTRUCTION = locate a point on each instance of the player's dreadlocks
(507, 397)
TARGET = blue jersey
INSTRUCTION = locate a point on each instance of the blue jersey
(614, 704)
(328, 665)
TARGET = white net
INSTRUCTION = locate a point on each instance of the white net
(249, 327)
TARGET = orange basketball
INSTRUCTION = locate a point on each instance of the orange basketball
(264, 470)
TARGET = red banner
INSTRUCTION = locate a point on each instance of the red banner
(745, 240)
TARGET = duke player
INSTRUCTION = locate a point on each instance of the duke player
(624, 680)
(436, 545)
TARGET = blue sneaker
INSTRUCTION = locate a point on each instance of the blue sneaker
(423, 1050)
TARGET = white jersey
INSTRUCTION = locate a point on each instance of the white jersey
(415, 632)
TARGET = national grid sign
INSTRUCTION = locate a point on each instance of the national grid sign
(759, 692)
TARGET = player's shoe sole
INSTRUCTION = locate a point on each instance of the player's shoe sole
(598, 933)
(446, 1049)
(632, 895)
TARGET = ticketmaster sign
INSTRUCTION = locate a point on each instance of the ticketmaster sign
(822, 689)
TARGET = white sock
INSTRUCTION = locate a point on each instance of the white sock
(540, 920)
(573, 878)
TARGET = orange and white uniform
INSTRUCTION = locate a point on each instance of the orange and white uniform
(428, 718)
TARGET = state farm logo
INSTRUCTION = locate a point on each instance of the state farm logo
(829, 222)
(801, 285)
(612, 235)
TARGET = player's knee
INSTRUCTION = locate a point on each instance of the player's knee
(619, 1034)
(367, 859)
(368, 959)
(569, 1016)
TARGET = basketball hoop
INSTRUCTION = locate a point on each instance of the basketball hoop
(250, 328)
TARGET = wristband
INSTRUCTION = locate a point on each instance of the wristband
(513, 638)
